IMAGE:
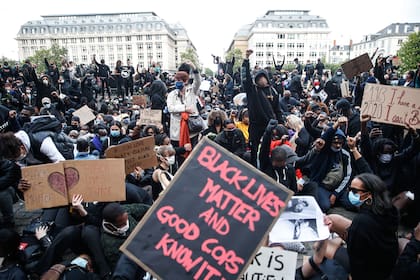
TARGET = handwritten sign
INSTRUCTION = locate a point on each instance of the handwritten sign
(54, 184)
(345, 92)
(150, 117)
(139, 152)
(85, 114)
(209, 223)
(392, 105)
(140, 100)
(357, 65)
(272, 264)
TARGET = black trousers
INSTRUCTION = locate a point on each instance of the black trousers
(255, 134)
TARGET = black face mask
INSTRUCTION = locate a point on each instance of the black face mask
(24, 119)
(229, 134)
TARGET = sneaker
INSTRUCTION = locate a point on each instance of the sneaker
(294, 246)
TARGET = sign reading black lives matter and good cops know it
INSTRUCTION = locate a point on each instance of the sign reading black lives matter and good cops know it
(211, 221)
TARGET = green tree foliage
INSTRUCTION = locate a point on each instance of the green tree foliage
(54, 54)
(237, 53)
(208, 72)
(11, 62)
(191, 55)
(409, 52)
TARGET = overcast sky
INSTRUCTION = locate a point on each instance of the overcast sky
(212, 24)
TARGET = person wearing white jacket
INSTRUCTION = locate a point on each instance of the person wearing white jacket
(183, 99)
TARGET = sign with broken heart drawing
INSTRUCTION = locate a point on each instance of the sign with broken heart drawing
(54, 185)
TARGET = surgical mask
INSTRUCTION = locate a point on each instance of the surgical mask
(338, 73)
(354, 199)
(171, 160)
(103, 138)
(21, 157)
(28, 91)
(81, 262)
(45, 82)
(47, 105)
(385, 158)
(123, 230)
(335, 150)
(115, 133)
(317, 87)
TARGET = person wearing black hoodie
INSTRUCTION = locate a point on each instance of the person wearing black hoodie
(263, 104)
(371, 237)
(158, 91)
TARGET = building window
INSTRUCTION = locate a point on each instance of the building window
(149, 46)
(259, 54)
(119, 48)
(259, 62)
(139, 37)
(139, 46)
(159, 55)
(158, 46)
(280, 45)
(140, 56)
(110, 48)
(312, 54)
(290, 45)
(101, 48)
(128, 47)
(158, 37)
(300, 45)
(119, 39)
(84, 57)
(74, 58)
(269, 45)
(299, 54)
(127, 38)
(291, 36)
(73, 40)
(91, 40)
(100, 39)
(64, 41)
(399, 42)
(42, 41)
(111, 57)
(259, 45)
(84, 49)
(129, 56)
(148, 37)
(82, 29)
(109, 39)
(268, 63)
(82, 40)
(281, 36)
(268, 54)
(290, 54)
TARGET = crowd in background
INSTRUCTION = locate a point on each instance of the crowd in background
(295, 126)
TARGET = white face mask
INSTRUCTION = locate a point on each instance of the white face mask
(81, 262)
(123, 230)
(171, 160)
(45, 82)
(47, 105)
(385, 158)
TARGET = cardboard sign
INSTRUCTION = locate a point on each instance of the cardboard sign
(85, 114)
(140, 100)
(150, 117)
(210, 221)
(357, 65)
(272, 264)
(392, 105)
(139, 152)
(345, 92)
(54, 185)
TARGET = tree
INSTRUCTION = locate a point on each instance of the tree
(237, 53)
(11, 62)
(409, 52)
(208, 72)
(191, 55)
(53, 54)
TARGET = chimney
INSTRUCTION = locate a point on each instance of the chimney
(351, 43)
(334, 43)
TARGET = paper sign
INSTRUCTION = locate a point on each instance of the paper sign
(357, 65)
(139, 152)
(53, 185)
(392, 105)
(210, 221)
(85, 114)
(140, 100)
(301, 221)
(48, 186)
(150, 117)
(272, 264)
(345, 92)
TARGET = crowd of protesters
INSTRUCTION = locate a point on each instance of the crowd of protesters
(294, 126)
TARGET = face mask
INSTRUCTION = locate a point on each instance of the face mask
(115, 133)
(317, 87)
(80, 262)
(123, 230)
(24, 119)
(171, 160)
(355, 199)
(21, 157)
(47, 105)
(385, 158)
(338, 73)
(335, 150)
(103, 138)
(217, 121)
(28, 91)
(229, 134)
(45, 82)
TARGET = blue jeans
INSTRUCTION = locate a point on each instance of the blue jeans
(126, 269)
(324, 199)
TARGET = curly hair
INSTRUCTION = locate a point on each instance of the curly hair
(214, 114)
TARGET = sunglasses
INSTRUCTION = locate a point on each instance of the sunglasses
(356, 190)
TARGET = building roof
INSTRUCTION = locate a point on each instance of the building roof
(394, 29)
(340, 48)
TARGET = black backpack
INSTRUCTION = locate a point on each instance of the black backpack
(44, 127)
